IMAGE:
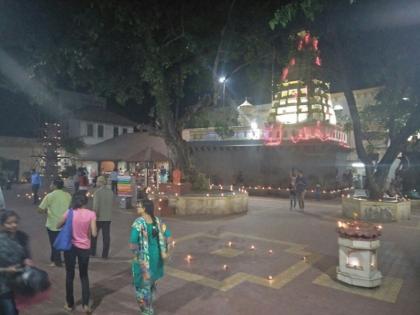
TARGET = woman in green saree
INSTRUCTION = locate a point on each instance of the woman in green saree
(148, 242)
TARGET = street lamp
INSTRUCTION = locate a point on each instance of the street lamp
(223, 80)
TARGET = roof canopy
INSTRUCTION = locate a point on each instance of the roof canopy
(133, 147)
(100, 115)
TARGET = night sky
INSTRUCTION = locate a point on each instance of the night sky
(391, 22)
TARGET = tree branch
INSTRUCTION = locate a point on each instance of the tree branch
(182, 35)
(246, 64)
(193, 110)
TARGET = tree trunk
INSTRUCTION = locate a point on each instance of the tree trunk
(180, 150)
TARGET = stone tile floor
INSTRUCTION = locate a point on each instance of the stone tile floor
(304, 254)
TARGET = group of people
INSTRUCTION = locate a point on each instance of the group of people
(148, 241)
(85, 226)
(297, 189)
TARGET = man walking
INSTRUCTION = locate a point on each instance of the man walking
(55, 204)
(301, 189)
(102, 205)
(36, 183)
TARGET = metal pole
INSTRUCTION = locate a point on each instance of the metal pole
(224, 90)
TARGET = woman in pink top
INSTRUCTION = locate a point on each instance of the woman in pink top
(84, 226)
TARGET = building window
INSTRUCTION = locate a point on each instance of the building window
(124, 131)
(116, 133)
(90, 130)
(100, 131)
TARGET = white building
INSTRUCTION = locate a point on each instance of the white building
(89, 120)
(95, 125)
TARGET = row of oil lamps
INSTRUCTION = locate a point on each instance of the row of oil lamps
(225, 267)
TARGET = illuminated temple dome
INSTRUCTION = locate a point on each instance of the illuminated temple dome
(302, 96)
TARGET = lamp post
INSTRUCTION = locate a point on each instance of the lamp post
(223, 80)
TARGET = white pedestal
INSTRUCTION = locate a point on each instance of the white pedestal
(358, 263)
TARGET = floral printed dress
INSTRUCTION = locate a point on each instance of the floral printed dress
(147, 263)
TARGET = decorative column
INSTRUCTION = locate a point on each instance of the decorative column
(51, 141)
(358, 263)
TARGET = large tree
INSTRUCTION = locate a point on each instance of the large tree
(365, 44)
(168, 53)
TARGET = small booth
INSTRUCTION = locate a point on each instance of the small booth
(141, 156)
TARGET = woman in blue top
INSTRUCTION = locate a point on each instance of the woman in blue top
(148, 241)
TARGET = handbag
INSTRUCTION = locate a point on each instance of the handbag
(30, 282)
(63, 240)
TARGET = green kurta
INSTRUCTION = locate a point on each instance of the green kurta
(156, 261)
(147, 264)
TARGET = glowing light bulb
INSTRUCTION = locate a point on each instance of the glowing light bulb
(230, 244)
(225, 267)
(252, 247)
(270, 251)
(270, 278)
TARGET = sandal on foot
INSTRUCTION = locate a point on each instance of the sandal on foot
(68, 308)
(87, 309)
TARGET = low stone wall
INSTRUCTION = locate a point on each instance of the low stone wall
(212, 204)
(284, 193)
(379, 211)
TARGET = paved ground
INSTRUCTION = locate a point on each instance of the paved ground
(304, 254)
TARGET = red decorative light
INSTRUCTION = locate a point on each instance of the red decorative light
(307, 38)
(318, 61)
(320, 132)
(273, 135)
(284, 74)
(292, 61)
(315, 43)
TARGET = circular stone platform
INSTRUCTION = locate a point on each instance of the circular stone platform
(220, 203)
(379, 211)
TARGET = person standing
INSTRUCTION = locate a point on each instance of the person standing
(55, 204)
(147, 242)
(94, 176)
(76, 181)
(36, 184)
(83, 182)
(301, 189)
(292, 196)
(114, 180)
(83, 227)
(162, 174)
(15, 254)
(292, 189)
(103, 200)
(69, 184)
(318, 192)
